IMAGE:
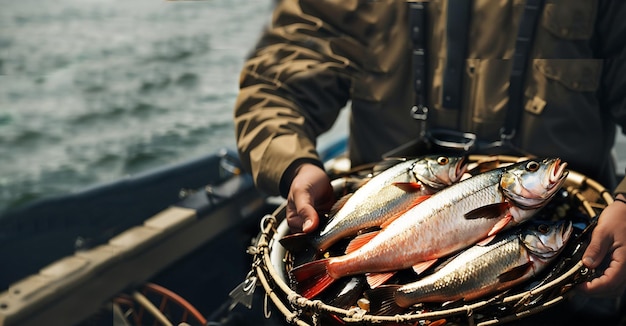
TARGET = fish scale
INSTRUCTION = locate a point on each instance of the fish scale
(442, 214)
(379, 199)
(482, 269)
(452, 219)
(485, 261)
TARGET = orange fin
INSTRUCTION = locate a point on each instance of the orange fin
(438, 322)
(377, 279)
(360, 240)
(419, 268)
(500, 225)
(312, 277)
(408, 186)
(486, 240)
(488, 211)
(393, 217)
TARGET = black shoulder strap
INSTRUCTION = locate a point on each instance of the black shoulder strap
(523, 44)
(457, 36)
(417, 23)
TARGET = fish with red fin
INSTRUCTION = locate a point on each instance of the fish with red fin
(455, 218)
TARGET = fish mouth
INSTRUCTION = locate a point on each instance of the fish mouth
(530, 195)
(555, 178)
(461, 167)
(558, 173)
(566, 230)
(552, 180)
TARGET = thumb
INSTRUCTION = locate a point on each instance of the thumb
(597, 249)
(307, 213)
(301, 214)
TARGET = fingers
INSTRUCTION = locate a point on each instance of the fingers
(310, 190)
(611, 281)
(608, 247)
(301, 214)
(597, 249)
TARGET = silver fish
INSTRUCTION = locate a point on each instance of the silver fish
(480, 270)
(386, 196)
(450, 220)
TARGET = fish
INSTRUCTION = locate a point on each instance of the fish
(468, 212)
(515, 257)
(384, 197)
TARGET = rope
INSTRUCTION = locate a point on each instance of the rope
(292, 305)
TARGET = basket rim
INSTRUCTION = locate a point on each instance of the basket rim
(291, 304)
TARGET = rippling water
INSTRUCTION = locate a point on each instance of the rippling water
(92, 90)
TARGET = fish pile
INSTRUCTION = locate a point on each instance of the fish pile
(482, 269)
(469, 235)
(383, 198)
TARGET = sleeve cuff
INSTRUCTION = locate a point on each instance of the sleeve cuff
(289, 174)
(621, 188)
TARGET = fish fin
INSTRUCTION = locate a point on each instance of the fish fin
(408, 186)
(359, 241)
(312, 277)
(419, 200)
(382, 300)
(297, 242)
(419, 268)
(486, 240)
(393, 217)
(488, 211)
(515, 273)
(438, 322)
(338, 205)
(500, 225)
(377, 279)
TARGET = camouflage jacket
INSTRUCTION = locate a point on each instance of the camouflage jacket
(320, 55)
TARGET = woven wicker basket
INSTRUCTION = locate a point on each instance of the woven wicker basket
(585, 197)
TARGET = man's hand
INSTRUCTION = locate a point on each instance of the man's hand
(608, 242)
(310, 191)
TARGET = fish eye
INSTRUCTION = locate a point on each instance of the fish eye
(532, 166)
(543, 228)
(442, 160)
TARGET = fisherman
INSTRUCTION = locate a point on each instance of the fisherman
(505, 77)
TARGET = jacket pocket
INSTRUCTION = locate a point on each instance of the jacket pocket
(563, 83)
(581, 75)
(570, 20)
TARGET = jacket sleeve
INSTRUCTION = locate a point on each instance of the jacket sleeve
(611, 32)
(292, 89)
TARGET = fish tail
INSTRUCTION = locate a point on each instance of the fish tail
(383, 300)
(312, 278)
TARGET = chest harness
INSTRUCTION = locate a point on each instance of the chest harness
(458, 18)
